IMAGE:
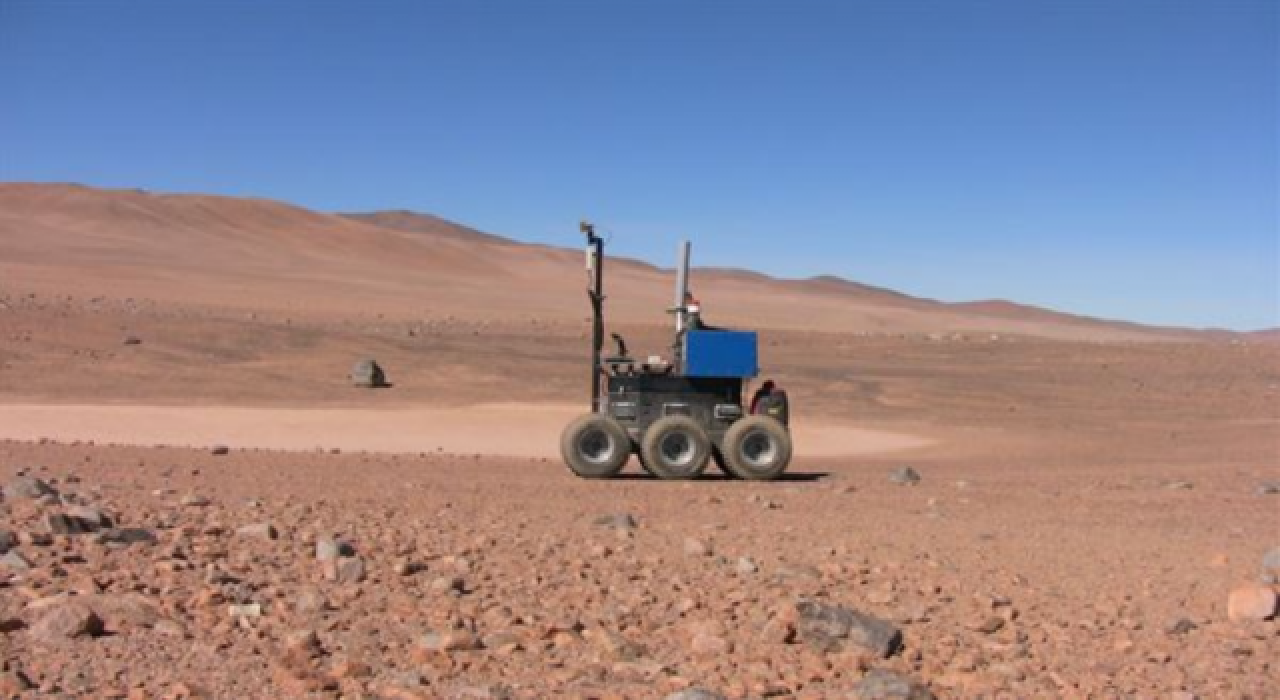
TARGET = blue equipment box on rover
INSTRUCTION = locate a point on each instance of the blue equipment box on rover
(720, 354)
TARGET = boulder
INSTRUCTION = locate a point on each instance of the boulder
(67, 524)
(27, 487)
(825, 627)
(905, 476)
(367, 374)
(67, 619)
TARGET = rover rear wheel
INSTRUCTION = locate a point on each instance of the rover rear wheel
(595, 446)
(757, 448)
(676, 447)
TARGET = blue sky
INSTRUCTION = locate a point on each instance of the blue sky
(1116, 159)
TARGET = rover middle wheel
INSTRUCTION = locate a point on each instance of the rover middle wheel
(676, 447)
(595, 446)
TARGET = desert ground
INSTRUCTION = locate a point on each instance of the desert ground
(198, 503)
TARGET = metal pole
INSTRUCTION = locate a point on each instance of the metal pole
(595, 292)
(682, 282)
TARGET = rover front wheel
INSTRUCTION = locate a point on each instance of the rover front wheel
(757, 448)
(595, 446)
(676, 447)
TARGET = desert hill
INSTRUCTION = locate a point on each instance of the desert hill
(257, 253)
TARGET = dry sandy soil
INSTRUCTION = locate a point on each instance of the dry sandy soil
(1091, 494)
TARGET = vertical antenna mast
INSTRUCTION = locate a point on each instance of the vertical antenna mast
(595, 292)
(681, 312)
(682, 283)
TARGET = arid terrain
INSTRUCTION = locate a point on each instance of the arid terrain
(198, 503)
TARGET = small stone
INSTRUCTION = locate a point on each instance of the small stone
(310, 600)
(1268, 488)
(14, 561)
(344, 570)
(131, 340)
(14, 684)
(696, 547)
(220, 450)
(710, 646)
(350, 669)
(35, 539)
(265, 531)
(194, 501)
(1251, 601)
(880, 684)
(27, 487)
(746, 566)
(778, 631)
(904, 476)
(431, 642)
(8, 541)
(246, 610)
(300, 647)
(616, 646)
(694, 694)
(406, 567)
(448, 584)
(618, 520)
(1181, 625)
(453, 640)
(502, 642)
(461, 640)
(329, 548)
(990, 625)
(880, 597)
(170, 628)
(67, 619)
(126, 536)
(1179, 486)
(1271, 561)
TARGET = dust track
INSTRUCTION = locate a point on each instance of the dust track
(505, 429)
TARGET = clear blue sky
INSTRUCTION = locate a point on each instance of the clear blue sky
(1116, 158)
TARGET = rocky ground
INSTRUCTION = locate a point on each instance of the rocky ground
(1088, 520)
(179, 573)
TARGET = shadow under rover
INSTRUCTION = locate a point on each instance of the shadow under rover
(787, 477)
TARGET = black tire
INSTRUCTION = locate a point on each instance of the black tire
(676, 447)
(757, 448)
(595, 446)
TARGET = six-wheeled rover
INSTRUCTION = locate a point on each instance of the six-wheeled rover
(677, 415)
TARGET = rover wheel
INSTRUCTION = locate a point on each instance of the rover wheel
(676, 447)
(757, 448)
(595, 446)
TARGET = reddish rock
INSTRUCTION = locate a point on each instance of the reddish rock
(344, 569)
(1251, 601)
(68, 619)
